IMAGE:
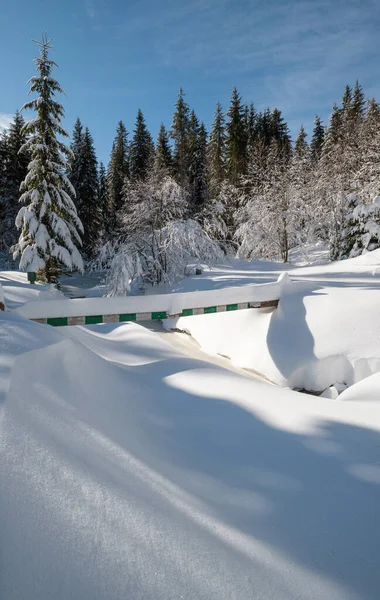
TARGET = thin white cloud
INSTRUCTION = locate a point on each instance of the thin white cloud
(89, 6)
(296, 55)
(5, 120)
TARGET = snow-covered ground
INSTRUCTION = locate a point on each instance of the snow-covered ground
(128, 470)
(325, 332)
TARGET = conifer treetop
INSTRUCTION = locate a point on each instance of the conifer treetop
(50, 227)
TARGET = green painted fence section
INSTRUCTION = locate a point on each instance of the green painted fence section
(153, 316)
(158, 315)
(93, 319)
(127, 317)
(57, 322)
(232, 307)
(209, 309)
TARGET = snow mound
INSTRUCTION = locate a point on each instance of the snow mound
(325, 332)
(130, 471)
(18, 291)
(17, 336)
(367, 390)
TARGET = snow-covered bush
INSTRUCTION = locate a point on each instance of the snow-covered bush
(361, 232)
(158, 257)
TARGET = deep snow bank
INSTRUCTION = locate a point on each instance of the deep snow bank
(367, 390)
(325, 331)
(130, 471)
(18, 291)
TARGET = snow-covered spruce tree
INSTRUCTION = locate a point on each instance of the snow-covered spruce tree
(361, 227)
(50, 226)
(341, 169)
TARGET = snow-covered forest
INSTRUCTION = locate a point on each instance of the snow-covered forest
(190, 390)
(244, 188)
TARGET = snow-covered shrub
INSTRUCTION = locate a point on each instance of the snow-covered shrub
(158, 257)
(361, 232)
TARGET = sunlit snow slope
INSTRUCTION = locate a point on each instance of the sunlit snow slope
(325, 332)
(130, 471)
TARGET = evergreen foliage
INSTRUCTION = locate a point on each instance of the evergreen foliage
(163, 160)
(75, 162)
(251, 127)
(317, 139)
(246, 184)
(141, 149)
(301, 147)
(89, 207)
(13, 172)
(217, 152)
(118, 172)
(103, 197)
(50, 226)
(180, 136)
(236, 143)
(197, 147)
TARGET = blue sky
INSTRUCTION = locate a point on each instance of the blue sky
(116, 56)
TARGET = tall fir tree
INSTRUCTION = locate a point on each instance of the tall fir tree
(180, 136)
(347, 101)
(103, 198)
(264, 126)
(236, 143)
(357, 109)
(50, 226)
(117, 173)
(141, 149)
(318, 139)
(163, 160)
(301, 147)
(14, 172)
(251, 128)
(75, 162)
(217, 152)
(89, 209)
(280, 133)
(335, 128)
(197, 146)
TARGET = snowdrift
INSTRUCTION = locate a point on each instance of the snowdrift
(130, 471)
(326, 330)
(170, 304)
